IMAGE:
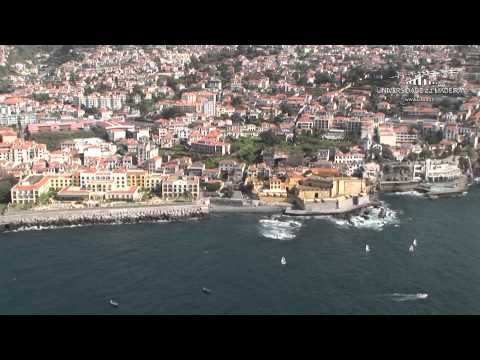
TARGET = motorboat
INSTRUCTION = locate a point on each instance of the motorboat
(114, 303)
(367, 248)
(411, 249)
(283, 260)
(414, 242)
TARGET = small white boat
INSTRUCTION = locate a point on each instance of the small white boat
(114, 303)
(422, 296)
(283, 260)
(367, 248)
(411, 249)
(414, 242)
(206, 290)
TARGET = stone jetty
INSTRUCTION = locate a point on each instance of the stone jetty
(126, 215)
(341, 206)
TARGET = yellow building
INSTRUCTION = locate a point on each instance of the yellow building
(60, 181)
(294, 179)
(346, 186)
(275, 190)
(153, 181)
(29, 190)
(314, 189)
(137, 177)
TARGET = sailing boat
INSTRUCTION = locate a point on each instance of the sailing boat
(283, 261)
(414, 242)
(411, 249)
(367, 248)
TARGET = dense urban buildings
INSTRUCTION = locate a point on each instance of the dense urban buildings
(277, 124)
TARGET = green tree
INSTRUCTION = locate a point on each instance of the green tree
(237, 101)
(376, 136)
(211, 186)
(5, 86)
(171, 113)
(41, 97)
(247, 149)
(387, 153)
(322, 78)
(288, 109)
(44, 198)
(146, 107)
(270, 139)
(6, 184)
(227, 192)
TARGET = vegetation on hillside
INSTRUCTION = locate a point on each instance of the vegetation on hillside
(53, 139)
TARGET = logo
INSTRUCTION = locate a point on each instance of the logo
(424, 78)
(420, 86)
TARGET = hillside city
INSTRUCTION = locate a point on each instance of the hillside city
(302, 126)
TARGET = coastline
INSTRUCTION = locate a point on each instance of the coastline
(51, 218)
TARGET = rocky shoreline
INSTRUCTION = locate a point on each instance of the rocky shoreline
(100, 217)
(364, 212)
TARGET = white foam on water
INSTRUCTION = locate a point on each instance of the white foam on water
(39, 227)
(53, 227)
(280, 228)
(407, 297)
(407, 193)
(367, 219)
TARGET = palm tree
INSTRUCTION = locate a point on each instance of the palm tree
(187, 195)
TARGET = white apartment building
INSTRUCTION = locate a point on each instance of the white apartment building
(179, 186)
(102, 181)
(112, 102)
(436, 170)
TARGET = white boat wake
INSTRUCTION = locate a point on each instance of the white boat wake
(407, 297)
(279, 228)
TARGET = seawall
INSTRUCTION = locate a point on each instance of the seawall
(92, 216)
(334, 207)
(398, 186)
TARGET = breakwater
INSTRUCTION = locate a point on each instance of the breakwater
(333, 206)
(130, 215)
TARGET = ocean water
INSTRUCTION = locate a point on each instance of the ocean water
(160, 268)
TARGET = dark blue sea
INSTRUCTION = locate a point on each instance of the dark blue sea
(160, 268)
